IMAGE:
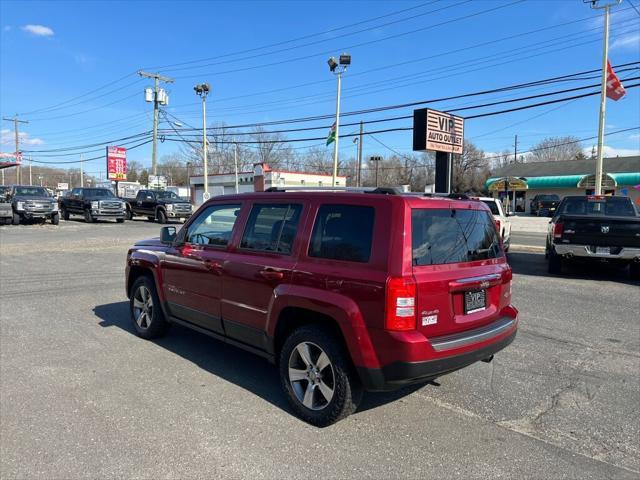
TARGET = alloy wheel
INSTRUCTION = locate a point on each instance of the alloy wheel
(311, 376)
(143, 307)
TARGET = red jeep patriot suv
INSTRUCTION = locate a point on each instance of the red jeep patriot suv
(344, 291)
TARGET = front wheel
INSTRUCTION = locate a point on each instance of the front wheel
(88, 217)
(129, 214)
(55, 219)
(65, 213)
(120, 220)
(634, 271)
(162, 217)
(16, 219)
(146, 312)
(317, 376)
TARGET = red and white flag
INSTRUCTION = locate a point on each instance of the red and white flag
(615, 90)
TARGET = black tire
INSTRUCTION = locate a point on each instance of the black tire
(120, 220)
(554, 263)
(129, 214)
(161, 216)
(151, 219)
(55, 219)
(634, 271)
(346, 392)
(154, 324)
(65, 213)
(16, 219)
(88, 217)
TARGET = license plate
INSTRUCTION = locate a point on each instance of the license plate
(474, 301)
(603, 251)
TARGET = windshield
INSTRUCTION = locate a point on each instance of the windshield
(32, 192)
(442, 236)
(548, 198)
(98, 192)
(167, 195)
(492, 206)
(612, 206)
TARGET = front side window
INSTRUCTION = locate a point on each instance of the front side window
(272, 228)
(213, 226)
(441, 236)
(343, 232)
(493, 206)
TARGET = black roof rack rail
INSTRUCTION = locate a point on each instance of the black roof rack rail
(378, 190)
(453, 196)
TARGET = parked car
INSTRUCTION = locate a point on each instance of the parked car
(544, 205)
(159, 205)
(503, 224)
(595, 228)
(6, 212)
(344, 291)
(92, 204)
(29, 202)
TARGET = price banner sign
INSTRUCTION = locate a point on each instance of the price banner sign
(116, 163)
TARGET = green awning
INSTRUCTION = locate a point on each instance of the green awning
(626, 179)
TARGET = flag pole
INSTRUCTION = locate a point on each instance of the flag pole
(603, 102)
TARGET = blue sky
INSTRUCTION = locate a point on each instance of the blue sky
(52, 52)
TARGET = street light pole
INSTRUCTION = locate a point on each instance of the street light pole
(603, 90)
(338, 68)
(202, 90)
(235, 161)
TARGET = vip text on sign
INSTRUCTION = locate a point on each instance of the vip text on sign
(116, 163)
(437, 131)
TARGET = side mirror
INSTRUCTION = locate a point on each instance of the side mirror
(168, 235)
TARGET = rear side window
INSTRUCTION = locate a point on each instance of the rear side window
(493, 206)
(272, 228)
(343, 232)
(608, 206)
(442, 236)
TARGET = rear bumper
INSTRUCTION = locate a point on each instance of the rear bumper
(586, 251)
(399, 374)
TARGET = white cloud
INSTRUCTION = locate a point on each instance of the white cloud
(635, 136)
(615, 152)
(38, 30)
(7, 137)
(626, 41)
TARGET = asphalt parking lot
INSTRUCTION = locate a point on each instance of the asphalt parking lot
(82, 396)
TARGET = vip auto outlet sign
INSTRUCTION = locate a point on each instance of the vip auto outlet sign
(116, 163)
(437, 131)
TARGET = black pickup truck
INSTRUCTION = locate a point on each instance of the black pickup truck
(595, 228)
(92, 204)
(544, 205)
(158, 205)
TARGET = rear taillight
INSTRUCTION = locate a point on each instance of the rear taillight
(558, 229)
(400, 307)
(498, 225)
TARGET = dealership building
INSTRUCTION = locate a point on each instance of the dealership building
(620, 176)
(260, 179)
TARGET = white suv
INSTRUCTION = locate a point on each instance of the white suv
(501, 218)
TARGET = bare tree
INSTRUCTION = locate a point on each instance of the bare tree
(556, 149)
(470, 170)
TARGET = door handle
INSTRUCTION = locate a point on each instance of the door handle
(271, 274)
(213, 266)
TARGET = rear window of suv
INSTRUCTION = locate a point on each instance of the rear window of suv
(441, 236)
(343, 232)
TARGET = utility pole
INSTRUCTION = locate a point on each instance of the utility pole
(235, 161)
(515, 150)
(30, 162)
(15, 130)
(359, 173)
(606, 5)
(81, 172)
(159, 98)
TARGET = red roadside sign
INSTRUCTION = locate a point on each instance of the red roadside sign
(116, 163)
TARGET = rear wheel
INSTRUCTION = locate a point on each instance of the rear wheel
(162, 217)
(151, 219)
(634, 271)
(146, 312)
(555, 263)
(64, 213)
(317, 376)
(16, 219)
(120, 220)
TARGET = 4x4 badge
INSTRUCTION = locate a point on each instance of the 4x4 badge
(604, 229)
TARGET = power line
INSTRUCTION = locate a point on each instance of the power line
(99, 157)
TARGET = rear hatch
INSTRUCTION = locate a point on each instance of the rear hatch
(462, 278)
(605, 231)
